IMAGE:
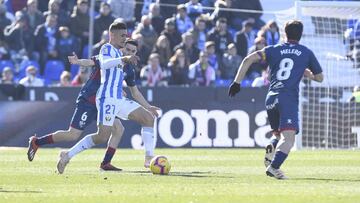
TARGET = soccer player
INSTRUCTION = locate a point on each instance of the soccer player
(288, 62)
(109, 96)
(141, 112)
(84, 113)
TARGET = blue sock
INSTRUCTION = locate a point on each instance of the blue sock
(274, 142)
(108, 155)
(279, 159)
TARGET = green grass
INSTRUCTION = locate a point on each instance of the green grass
(197, 175)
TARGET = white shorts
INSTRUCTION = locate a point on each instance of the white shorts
(126, 107)
(107, 108)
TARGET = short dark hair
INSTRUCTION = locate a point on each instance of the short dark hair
(131, 41)
(117, 26)
(294, 29)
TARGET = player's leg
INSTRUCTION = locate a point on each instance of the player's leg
(289, 126)
(134, 111)
(116, 135)
(83, 115)
(146, 119)
(274, 120)
(106, 117)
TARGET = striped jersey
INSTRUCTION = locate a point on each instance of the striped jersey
(111, 69)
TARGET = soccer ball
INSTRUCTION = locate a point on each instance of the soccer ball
(160, 165)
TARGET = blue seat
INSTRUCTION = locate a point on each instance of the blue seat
(74, 69)
(53, 70)
(24, 64)
(6, 63)
(222, 83)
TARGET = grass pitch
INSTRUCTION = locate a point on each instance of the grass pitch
(197, 175)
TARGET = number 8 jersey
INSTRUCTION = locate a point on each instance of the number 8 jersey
(287, 63)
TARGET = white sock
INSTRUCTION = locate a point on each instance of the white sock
(148, 139)
(80, 146)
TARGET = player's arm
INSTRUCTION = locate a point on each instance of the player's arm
(244, 67)
(107, 61)
(81, 62)
(315, 69)
(318, 77)
(136, 94)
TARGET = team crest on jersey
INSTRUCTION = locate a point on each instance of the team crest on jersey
(81, 124)
(107, 118)
(289, 121)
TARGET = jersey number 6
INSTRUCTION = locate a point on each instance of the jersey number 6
(286, 65)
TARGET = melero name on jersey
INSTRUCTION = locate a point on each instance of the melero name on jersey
(290, 51)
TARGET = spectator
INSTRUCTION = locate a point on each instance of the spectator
(187, 44)
(66, 44)
(221, 36)
(149, 35)
(80, 78)
(162, 47)
(221, 12)
(14, 36)
(193, 9)
(183, 22)
(102, 21)
(168, 7)
(257, 68)
(210, 52)
(157, 21)
(171, 33)
(45, 39)
(142, 52)
(65, 79)
(4, 54)
(243, 16)
(79, 22)
(124, 9)
(201, 72)
(145, 10)
(231, 62)
(31, 80)
(7, 14)
(33, 15)
(355, 97)
(152, 74)
(178, 68)
(4, 20)
(7, 76)
(244, 39)
(271, 33)
(17, 5)
(104, 40)
(208, 3)
(261, 81)
(199, 34)
(54, 8)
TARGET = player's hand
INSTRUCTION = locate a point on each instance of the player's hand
(234, 89)
(308, 74)
(73, 59)
(153, 110)
(124, 94)
(133, 59)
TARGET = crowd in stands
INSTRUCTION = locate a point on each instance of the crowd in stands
(180, 42)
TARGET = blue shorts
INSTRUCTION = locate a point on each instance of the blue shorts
(84, 114)
(283, 112)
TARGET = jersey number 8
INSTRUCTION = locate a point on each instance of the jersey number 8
(286, 65)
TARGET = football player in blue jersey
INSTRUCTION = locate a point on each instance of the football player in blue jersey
(288, 63)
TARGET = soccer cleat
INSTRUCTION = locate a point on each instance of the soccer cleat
(147, 161)
(63, 161)
(33, 147)
(276, 173)
(109, 167)
(269, 154)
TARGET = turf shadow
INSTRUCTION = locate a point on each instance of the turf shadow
(194, 174)
(328, 179)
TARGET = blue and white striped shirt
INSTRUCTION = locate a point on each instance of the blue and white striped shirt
(111, 72)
